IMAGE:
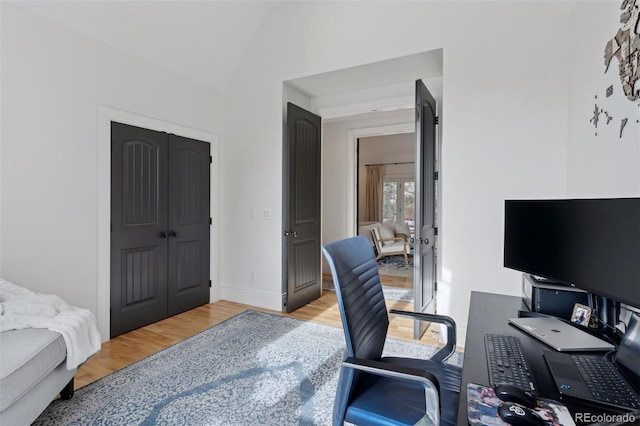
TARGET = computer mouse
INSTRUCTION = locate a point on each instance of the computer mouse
(511, 393)
(517, 415)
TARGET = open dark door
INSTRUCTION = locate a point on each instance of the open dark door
(425, 230)
(188, 265)
(302, 274)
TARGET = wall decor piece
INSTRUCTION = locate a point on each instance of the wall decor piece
(625, 47)
(622, 124)
(608, 117)
(596, 116)
(595, 119)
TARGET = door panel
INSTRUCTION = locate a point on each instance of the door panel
(302, 198)
(138, 216)
(160, 226)
(189, 244)
(425, 197)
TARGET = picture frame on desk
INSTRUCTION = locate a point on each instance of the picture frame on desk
(581, 314)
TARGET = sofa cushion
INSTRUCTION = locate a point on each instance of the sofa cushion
(27, 356)
(403, 228)
(387, 232)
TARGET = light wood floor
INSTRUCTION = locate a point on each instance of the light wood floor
(128, 348)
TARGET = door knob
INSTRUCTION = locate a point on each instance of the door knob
(287, 233)
(173, 234)
(163, 234)
(426, 241)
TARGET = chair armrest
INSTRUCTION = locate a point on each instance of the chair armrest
(393, 239)
(403, 236)
(401, 372)
(449, 348)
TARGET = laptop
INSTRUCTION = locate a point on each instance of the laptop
(596, 378)
(559, 335)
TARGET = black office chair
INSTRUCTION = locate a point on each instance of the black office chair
(385, 390)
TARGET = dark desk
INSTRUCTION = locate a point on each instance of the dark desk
(490, 312)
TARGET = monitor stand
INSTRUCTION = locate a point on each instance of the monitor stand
(607, 314)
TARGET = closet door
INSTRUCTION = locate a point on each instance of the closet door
(188, 263)
(160, 249)
(139, 171)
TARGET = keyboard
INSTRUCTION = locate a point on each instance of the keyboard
(605, 382)
(506, 361)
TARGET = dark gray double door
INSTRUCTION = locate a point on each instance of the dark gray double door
(159, 226)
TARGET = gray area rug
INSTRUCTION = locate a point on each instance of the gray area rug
(390, 293)
(394, 265)
(252, 369)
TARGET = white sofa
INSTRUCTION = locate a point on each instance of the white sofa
(32, 373)
(42, 343)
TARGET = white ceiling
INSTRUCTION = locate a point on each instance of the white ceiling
(384, 73)
(202, 40)
(376, 88)
(205, 40)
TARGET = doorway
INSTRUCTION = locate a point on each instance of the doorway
(367, 100)
(393, 156)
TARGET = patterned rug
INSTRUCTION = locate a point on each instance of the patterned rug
(391, 293)
(253, 369)
(394, 265)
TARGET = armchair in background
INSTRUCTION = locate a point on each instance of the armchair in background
(373, 389)
(388, 243)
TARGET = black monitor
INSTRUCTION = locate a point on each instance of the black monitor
(593, 244)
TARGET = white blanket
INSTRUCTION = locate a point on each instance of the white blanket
(22, 308)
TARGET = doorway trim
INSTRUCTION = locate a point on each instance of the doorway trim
(352, 163)
(105, 116)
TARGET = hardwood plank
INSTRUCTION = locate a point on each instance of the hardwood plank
(135, 345)
(396, 281)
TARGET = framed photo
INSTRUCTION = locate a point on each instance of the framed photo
(581, 314)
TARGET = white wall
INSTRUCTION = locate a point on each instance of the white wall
(1, 142)
(605, 165)
(504, 135)
(53, 82)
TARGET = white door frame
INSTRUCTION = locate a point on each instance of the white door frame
(105, 116)
(352, 163)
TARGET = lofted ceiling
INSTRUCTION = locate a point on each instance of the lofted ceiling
(201, 40)
(205, 40)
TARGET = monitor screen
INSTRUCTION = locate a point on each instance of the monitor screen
(593, 244)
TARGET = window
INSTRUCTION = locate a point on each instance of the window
(398, 202)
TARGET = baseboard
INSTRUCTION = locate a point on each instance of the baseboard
(247, 296)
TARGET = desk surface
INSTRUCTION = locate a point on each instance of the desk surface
(490, 312)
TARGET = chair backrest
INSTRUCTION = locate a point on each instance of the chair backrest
(377, 239)
(360, 298)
